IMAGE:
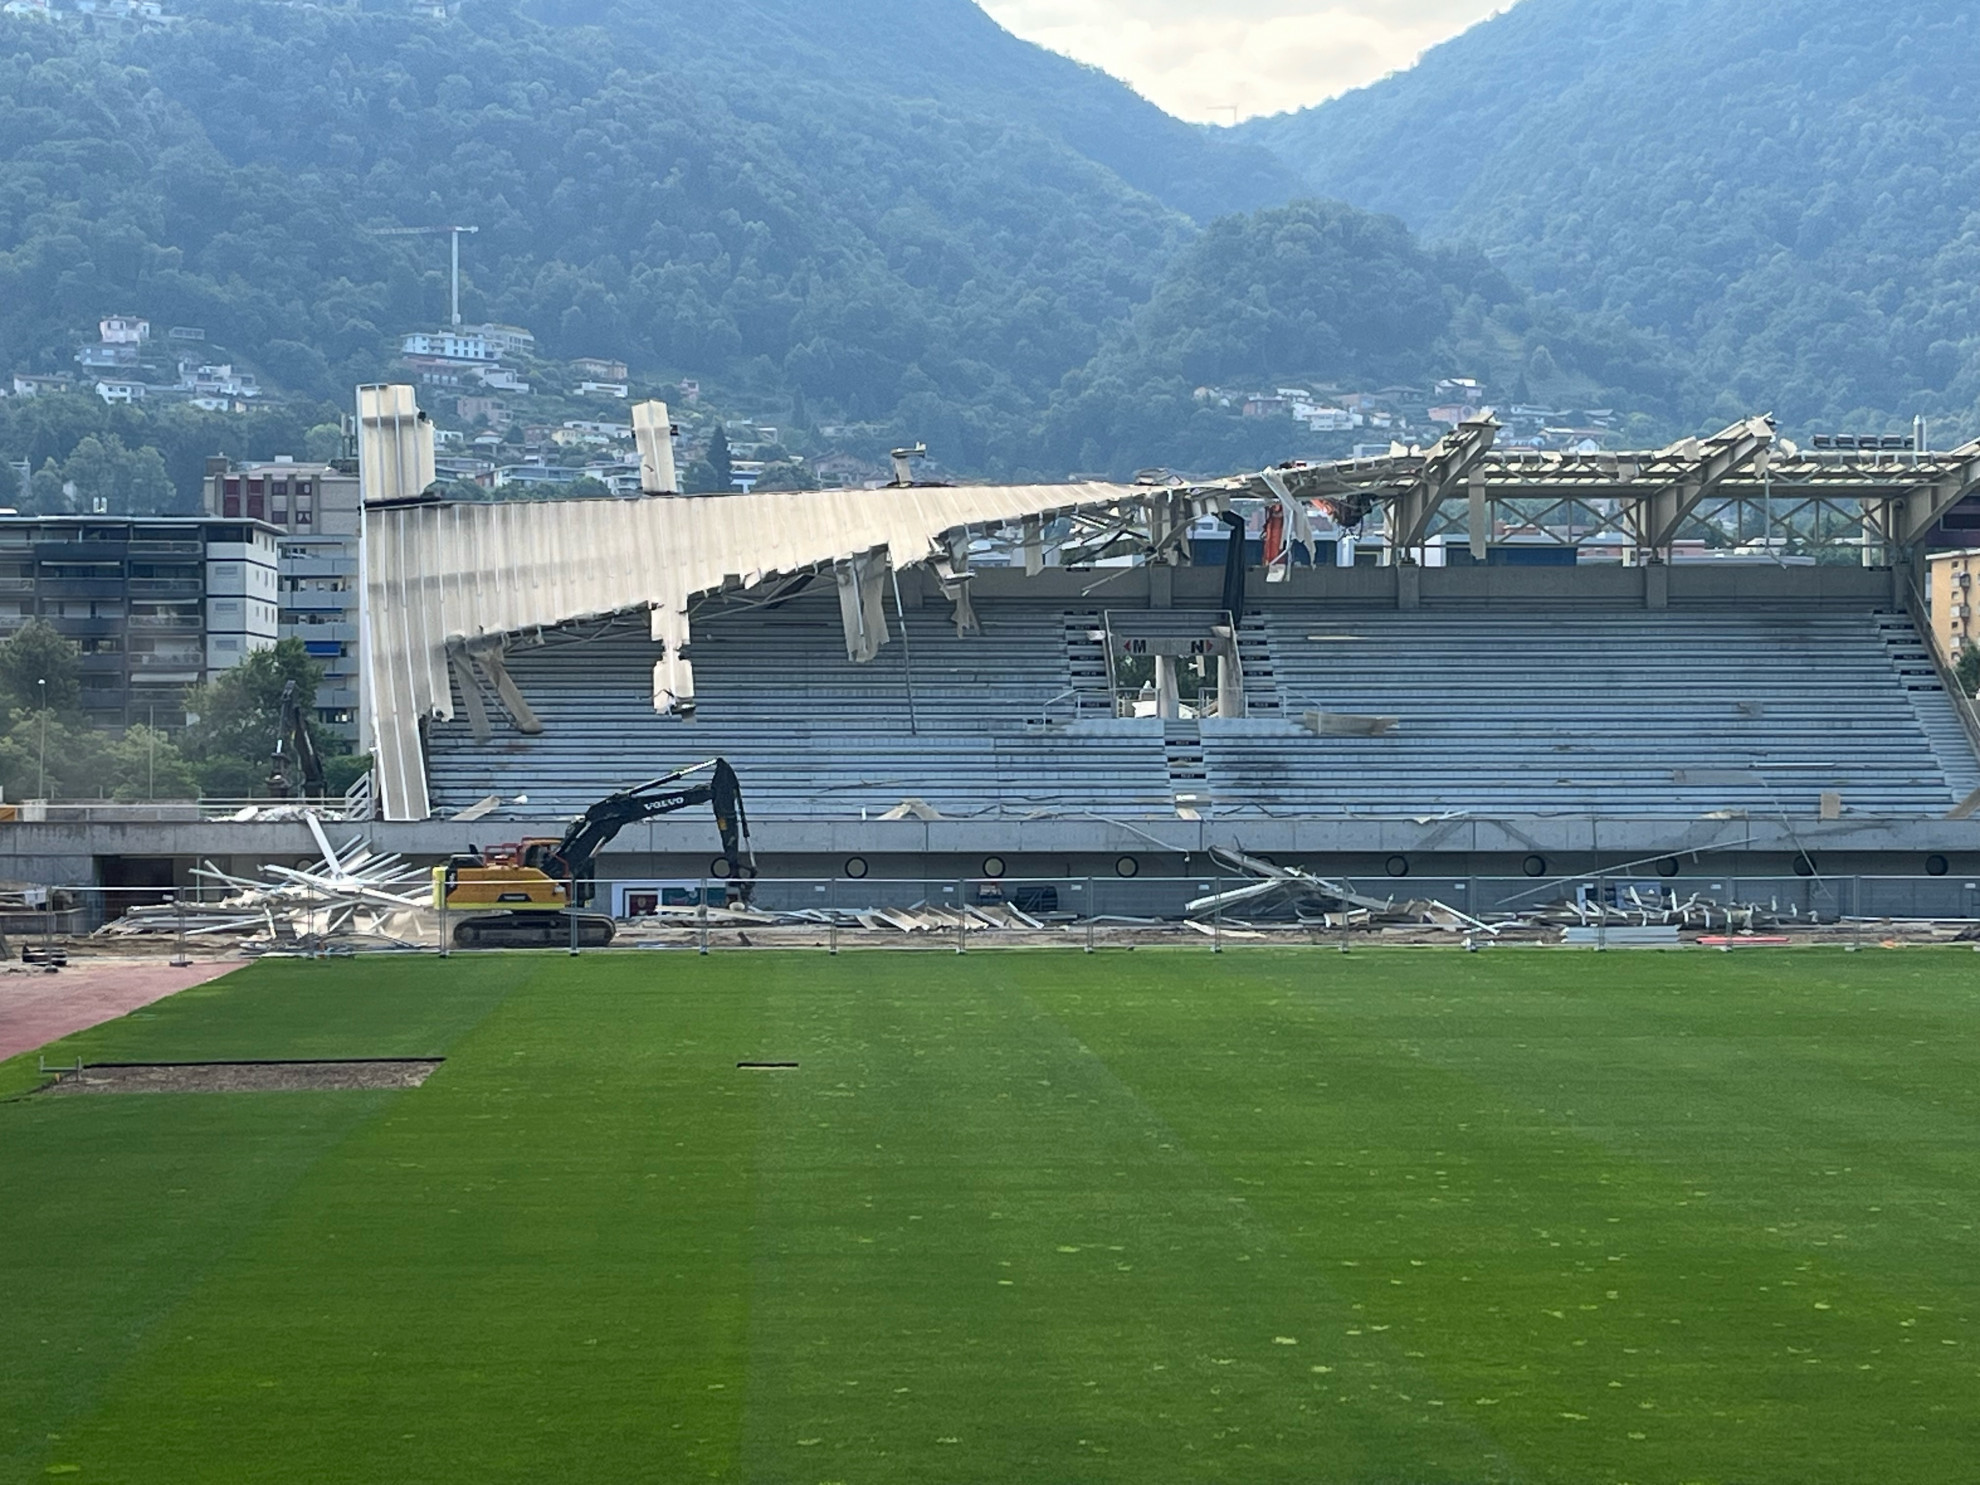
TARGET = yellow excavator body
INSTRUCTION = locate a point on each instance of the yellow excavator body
(512, 889)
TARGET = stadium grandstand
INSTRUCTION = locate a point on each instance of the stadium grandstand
(1472, 667)
(1443, 663)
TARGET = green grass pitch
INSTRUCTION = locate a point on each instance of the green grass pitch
(1257, 1217)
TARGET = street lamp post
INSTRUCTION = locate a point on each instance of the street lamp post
(42, 692)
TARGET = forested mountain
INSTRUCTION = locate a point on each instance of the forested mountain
(951, 52)
(716, 213)
(1787, 190)
(880, 212)
(1324, 293)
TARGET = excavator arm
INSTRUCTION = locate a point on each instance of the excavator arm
(571, 859)
(295, 761)
(533, 899)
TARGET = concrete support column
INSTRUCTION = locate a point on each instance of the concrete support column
(1167, 703)
(1230, 683)
(1409, 586)
(1657, 585)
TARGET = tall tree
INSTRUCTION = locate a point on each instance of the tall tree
(232, 720)
(40, 669)
(719, 460)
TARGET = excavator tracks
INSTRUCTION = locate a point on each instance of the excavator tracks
(532, 931)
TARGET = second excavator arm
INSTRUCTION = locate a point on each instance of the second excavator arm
(295, 767)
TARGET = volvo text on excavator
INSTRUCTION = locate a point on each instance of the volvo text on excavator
(528, 895)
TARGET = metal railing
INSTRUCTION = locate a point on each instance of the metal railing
(174, 661)
(1963, 708)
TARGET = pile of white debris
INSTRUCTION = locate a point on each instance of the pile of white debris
(356, 898)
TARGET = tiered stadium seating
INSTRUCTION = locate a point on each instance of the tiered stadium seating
(970, 726)
(1591, 712)
(1602, 713)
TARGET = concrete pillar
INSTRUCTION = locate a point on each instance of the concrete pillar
(653, 435)
(1409, 586)
(1657, 585)
(1230, 683)
(1167, 703)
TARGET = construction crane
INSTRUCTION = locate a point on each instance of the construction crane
(427, 232)
(538, 886)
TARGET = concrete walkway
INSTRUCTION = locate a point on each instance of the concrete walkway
(36, 1008)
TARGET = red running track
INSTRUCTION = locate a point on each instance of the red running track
(37, 1008)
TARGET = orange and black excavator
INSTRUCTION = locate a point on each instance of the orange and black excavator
(530, 895)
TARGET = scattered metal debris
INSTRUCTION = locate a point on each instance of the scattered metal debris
(1313, 897)
(356, 898)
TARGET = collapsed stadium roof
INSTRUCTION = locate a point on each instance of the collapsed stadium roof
(449, 584)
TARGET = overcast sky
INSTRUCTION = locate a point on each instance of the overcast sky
(1201, 59)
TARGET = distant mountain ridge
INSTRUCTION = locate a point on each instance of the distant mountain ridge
(888, 216)
(1787, 190)
(952, 52)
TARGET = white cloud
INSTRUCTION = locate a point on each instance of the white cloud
(1213, 62)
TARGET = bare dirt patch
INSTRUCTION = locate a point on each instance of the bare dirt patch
(245, 1077)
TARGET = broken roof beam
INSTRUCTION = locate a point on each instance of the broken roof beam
(488, 653)
(862, 607)
(1906, 519)
(653, 435)
(1446, 471)
(1706, 465)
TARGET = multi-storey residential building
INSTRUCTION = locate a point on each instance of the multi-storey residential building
(449, 345)
(316, 509)
(505, 340)
(156, 604)
(1952, 591)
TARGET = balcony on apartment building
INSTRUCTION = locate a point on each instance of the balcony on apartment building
(80, 549)
(190, 585)
(71, 584)
(86, 626)
(175, 620)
